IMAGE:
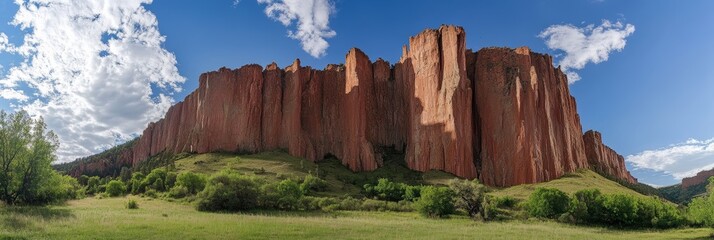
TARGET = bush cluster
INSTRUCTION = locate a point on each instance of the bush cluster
(592, 207)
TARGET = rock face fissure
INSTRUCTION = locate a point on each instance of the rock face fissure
(502, 115)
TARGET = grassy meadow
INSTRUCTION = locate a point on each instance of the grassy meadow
(167, 218)
(93, 218)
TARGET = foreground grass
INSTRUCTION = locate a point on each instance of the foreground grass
(93, 218)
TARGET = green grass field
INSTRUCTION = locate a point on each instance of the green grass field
(93, 218)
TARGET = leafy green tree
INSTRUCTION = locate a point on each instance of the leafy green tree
(548, 203)
(621, 210)
(435, 202)
(586, 206)
(83, 180)
(93, 185)
(701, 210)
(26, 152)
(115, 188)
(468, 195)
(229, 191)
(193, 182)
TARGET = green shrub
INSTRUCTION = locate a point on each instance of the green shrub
(350, 204)
(170, 181)
(386, 190)
(505, 202)
(153, 177)
(93, 185)
(412, 193)
(83, 180)
(435, 202)
(158, 185)
(229, 191)
(701, 210)
(547, 203)
(131, 204)
(178, 192)
(192, 181)
(586, 206)
(151, 193)
(468, 195)
(283, 195)
(115, 188)
(309, 203)
(621, 210)
(312, 183)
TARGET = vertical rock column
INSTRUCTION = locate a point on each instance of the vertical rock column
(439, 98)
(358, 152)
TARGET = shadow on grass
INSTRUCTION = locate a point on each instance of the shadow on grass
(44, 213)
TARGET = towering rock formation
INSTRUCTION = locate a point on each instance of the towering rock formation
(603, 159)
(439, 97)
(502, 115)
(529, 127)
(701, 177)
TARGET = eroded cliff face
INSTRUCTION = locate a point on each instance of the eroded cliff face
(603, 159)
(502, 115)
(701, 177)
(529, 127)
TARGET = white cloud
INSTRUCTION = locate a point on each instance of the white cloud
(95, 70)
(587, 44)
(313, 18)
(12, 94)
(679, 160)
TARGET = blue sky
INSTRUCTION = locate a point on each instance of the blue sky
(651, 100)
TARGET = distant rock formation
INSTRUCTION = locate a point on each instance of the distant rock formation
(504, 116)
(603, 159)
(701, 177)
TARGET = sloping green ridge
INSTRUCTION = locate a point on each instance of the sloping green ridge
(276, 165)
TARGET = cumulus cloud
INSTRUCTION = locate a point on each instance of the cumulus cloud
(312, 17)
(95, 70)
(679, 160)
(587, 44)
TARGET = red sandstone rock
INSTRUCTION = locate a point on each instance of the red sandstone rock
(701, 177)
(528, 124)
(603, 159)
(502, 115)
(438, 99)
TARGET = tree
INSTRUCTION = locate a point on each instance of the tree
(26, 152)
(229, 191)
(115, 188)
(548, 203)
(435, 202)
(701, 210)
(468, 195)
(193, 182)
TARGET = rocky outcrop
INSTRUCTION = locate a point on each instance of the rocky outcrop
(603, 159)
(529, 127)
(502, 115)
(701, 177)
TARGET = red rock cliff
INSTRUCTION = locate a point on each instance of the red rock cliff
(701, 177)
(603, 159)
(502, 115)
